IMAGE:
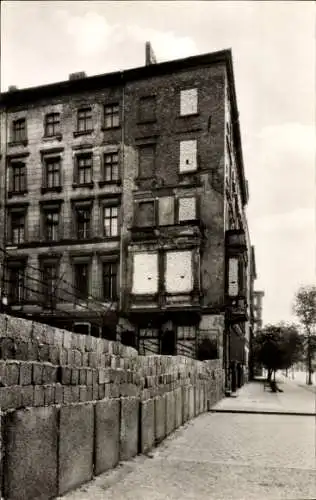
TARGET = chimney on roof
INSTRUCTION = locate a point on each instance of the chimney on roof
(12, 88)
(77, 76)
(150, 57)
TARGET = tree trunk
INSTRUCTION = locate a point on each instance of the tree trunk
(269, 374)
(286, 372)
(309, 359)
(274, 375)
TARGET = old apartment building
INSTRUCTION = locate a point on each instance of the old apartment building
(124, 197)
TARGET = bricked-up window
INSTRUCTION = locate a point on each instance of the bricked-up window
(110, 221)
(50, 280)
(110, 280)
(81, 281)
(145, 214)
(19, 130)
(18, 177)
(16, 282)
(84, 120)
(147, 109)
(52, 124)
(17, 235)
(145, 273)
(84, 169)
(166, 210)
(83, 222)
(188, 102)
(179, 272)
(51, 224)
(111, 116)
(187, 208)
(188, 156)
(111, 167)
(52, 174)
(146, 161)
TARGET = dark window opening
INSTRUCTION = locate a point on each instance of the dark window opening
(51, 225)
(52, 173)
(110, 280)
(81, 280)
(16, 284)
(19, 130)
(84, 167)
(168, 343)
(110, 221)
(18, 178)
(84, 120)
(17, 228)
(111, 170)
(111, 116)
(83, 223)
(50, 279)
(52, 124)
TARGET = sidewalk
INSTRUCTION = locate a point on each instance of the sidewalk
(252, 398)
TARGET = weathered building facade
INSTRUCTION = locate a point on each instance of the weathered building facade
(125, 197)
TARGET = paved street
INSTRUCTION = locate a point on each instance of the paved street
(223, 456)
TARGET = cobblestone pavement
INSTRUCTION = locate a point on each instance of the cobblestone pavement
(220, 456)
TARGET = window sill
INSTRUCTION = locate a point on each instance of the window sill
(18, 143)
(110, 183)
(48, 138)
(189, 115)
(105, 129)
(78, 133)
(88, 185)
(12, 194)
(57, 189)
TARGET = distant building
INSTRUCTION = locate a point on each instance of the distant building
(125, 199)
(257, 306)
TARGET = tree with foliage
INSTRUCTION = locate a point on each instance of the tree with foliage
(277, 347)
(305, 309)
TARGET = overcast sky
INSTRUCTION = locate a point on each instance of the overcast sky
(273, 46)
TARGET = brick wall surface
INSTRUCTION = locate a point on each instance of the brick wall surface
(70, 375)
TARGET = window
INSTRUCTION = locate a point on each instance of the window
(111, 168)
(188, 156)
(166, 210)
(52, 174)
(146, 161)
(111, 116)
(17, 227)
(147, 109)
(145, 273)
(179, 272)
(19, 130)
(233, 277)
(110, 221)
(110, 280)
(145, 214)
(16, 283)
(188, 102)
(83, 220)
(81, 272)
(84, 120)
(51, 225)
(52, 124)
(186, 332)
(187, 209)
(84, 169)
(50, 280)
(18, 177)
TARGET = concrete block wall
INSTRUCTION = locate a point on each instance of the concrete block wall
(74, 406)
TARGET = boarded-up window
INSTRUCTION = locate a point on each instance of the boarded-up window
(147, 109)
(188, 156)
(145, 215)
(187, 209)
(188, 102)
(146, 166)
(145, 273)
(233, 277)
(166, 210)
(179, 277)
